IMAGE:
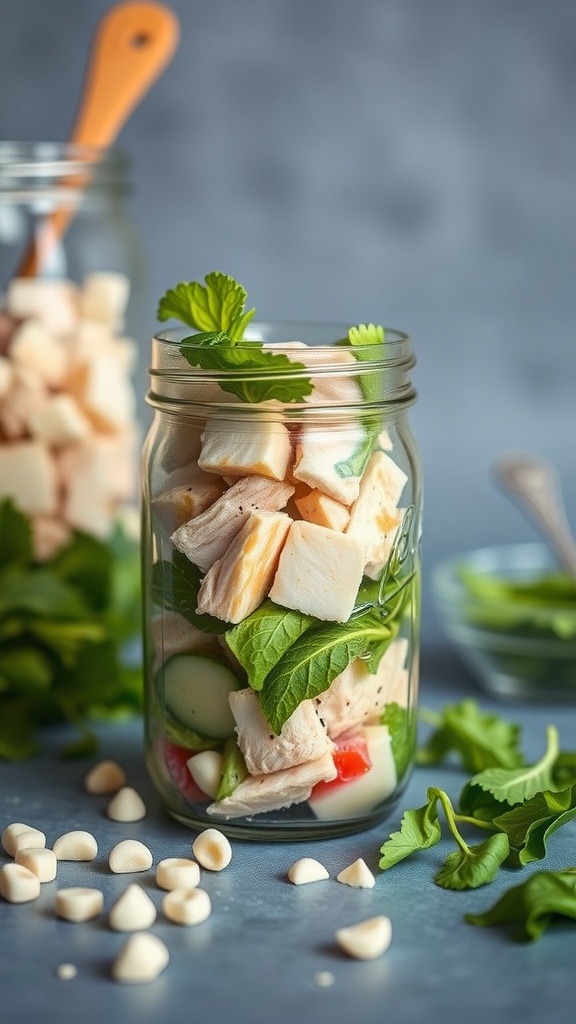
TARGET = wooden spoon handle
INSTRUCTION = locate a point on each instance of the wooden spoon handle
(133, 43)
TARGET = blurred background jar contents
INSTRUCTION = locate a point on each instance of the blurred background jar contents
(69, 436)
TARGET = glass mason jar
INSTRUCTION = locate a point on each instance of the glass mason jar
(281, 561)
(71, 270)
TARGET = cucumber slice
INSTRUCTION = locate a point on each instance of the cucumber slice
(196, 690)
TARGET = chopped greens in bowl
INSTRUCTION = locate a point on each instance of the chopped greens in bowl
(511, 615)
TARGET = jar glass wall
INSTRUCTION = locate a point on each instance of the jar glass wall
(281, 560)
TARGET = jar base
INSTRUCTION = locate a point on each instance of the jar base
(286, 831)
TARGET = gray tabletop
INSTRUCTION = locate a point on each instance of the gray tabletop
(262, 954)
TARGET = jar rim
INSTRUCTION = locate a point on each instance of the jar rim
(289, 332)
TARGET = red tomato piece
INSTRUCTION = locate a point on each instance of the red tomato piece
(176, 758)
(351, 759)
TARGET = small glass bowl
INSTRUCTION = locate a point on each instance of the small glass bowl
(515, 654)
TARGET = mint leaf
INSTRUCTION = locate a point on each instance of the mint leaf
(473, 866)
(216, 306)
(261, 639)
(175, 586)
(401, 725)
(515, 785)
(530, 825)
(259, 374)
(532, 906)
(308, 667)
(481, 740)
(419, 830)
(15, 535)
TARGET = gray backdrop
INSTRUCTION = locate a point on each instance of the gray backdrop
(405, 161)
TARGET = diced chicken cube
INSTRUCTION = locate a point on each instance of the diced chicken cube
(206, 538)
(34, 347)
(5, 376)
(180, 504)
(335, 386)
(53, 302)
(321, 456)
(103, 391)
(238, 582)
(319, 572)
(374, 516)
(25, 396)
(303, 737)
(59, 421)
(27, 476)
(87, 470)
(358, 697)
(104, 297)
(323, 510)
(236, 449)
(260, 793)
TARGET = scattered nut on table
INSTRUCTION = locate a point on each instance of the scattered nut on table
(177, 873)
(367, 939)
(358, 875)
(129, 855)
(79, 903)
(142, 958)
(18, 836)
(187, 906)
(76, 845)
(40, 861)
(126, 805)
(104, 778)
(133, 911)
(212, 849)
(18, 884)
(307, 870)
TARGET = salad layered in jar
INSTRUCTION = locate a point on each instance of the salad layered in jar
(281, 536)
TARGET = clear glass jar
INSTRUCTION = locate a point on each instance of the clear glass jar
(71, 276)
(281, 562)
(70, 436)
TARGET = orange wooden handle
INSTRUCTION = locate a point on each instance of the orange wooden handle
(133, 44)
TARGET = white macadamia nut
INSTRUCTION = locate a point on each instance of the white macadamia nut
(79, 903)
(129, 855)
(187, 906)
(76, 845)
(18, 884)
(358, 875)
(133, 911)
(177, 873)
(126, 805)
(366, 940)
(206, 770)
(18, 836)
(66, 972)
(41, 862)
(212, 849)
(142, 958)
(105, 778)
(307, 870)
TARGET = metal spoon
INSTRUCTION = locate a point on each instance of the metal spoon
(535, 486)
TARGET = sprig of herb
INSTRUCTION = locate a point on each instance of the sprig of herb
(63, 627)
(530, 908)
(216, 309)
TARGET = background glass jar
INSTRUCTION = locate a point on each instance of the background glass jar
(281, 559)
(70, 273)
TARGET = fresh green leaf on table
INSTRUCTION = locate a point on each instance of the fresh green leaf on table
(473, 866)
(480, 739)
(515, 785)
(419, 830)
(530, 825)
(530, 908)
